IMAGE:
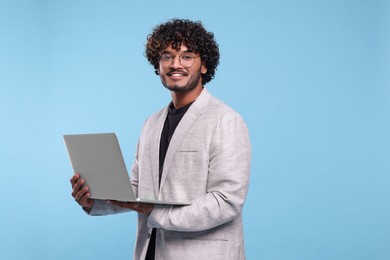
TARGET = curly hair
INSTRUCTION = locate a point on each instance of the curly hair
(183, 31)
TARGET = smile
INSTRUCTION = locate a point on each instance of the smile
(176, 74)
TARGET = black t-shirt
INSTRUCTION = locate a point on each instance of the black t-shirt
(173, 118)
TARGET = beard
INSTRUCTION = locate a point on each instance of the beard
(191, 84)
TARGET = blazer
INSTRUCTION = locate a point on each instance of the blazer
(208, 164)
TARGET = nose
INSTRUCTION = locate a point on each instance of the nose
(176, 62)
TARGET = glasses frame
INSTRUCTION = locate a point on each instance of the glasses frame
(173, 57)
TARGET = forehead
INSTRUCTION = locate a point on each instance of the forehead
(181, 49)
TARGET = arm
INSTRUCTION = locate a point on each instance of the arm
(228, 178)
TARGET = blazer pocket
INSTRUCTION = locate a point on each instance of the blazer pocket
(186, 160)
(187, 150)
(183, 157)
(187, 155)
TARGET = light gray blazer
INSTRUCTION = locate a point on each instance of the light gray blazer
(207, 163)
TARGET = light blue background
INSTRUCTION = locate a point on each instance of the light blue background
(311, 79)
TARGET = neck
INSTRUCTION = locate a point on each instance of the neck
(181, 99)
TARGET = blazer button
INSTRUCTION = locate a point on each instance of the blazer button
(149, 235)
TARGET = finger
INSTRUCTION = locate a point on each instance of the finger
(129, 205)
(85, 201)
(145, 208)
(116, 203)
(77, 187)
(141, 208)
(74, 178)
(81, 193)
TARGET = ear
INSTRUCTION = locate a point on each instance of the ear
(203, 69)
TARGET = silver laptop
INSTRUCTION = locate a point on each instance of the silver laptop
(98, 159)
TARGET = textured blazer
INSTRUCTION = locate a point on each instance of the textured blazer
(208, 164)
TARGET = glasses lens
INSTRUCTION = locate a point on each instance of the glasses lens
(166, 59)
(186, 60)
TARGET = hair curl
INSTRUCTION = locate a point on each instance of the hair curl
(183, 31)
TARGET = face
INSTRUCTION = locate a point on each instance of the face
(176, 77)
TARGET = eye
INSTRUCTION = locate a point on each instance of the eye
(166, 57)
(186, 57)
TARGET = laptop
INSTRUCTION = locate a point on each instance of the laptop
(98, 159)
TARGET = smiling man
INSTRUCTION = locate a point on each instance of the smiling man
(196, 149)
(173, 76)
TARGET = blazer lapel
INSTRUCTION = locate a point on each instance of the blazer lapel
(154, 146)
(181, 130)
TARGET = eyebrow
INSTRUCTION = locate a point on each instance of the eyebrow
(169, 52)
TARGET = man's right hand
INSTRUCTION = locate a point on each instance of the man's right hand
(80, 192)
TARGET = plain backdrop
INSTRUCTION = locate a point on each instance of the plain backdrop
(311, 79)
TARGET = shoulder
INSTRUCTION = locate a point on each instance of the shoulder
(229, 128)
(153, 121)
(156, 116)
(221, 111)
(219, 107)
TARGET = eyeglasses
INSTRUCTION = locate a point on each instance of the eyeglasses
(186, 60)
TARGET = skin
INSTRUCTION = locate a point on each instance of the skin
(82, 196)
(185, 85)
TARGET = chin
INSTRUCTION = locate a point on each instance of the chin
(177, 88)
(191, 84)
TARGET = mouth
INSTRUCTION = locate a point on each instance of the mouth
(176, 74)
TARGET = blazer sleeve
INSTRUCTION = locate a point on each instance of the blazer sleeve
(102, 208)
(228, 180)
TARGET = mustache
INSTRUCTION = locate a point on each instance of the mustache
(172, 71)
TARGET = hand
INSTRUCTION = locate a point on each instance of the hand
(141, 208)
(79, 193)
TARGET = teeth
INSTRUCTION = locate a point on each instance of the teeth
(176, 75)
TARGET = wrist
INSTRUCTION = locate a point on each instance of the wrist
(87, 209)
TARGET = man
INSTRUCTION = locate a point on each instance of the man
(197, 149)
